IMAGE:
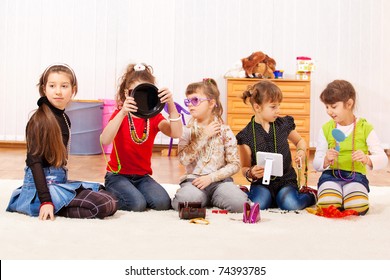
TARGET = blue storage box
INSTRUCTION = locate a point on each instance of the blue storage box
(86, 117)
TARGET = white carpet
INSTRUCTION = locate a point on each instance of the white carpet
(163, 236)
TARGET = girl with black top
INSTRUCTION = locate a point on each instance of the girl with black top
(46, 190)
(267, 132)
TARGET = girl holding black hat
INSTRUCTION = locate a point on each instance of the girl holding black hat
(132, 129)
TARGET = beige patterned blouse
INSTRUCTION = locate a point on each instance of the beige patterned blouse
(217, 156)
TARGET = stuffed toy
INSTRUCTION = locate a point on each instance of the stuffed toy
(236, 71)
(259, 65)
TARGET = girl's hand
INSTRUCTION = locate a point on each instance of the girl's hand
(360, 156)
(331, 155)
(212, 129)
(165, 95)
(46, 212)
(129, 105)
(257, 172)
(300, 156)
(202, 182)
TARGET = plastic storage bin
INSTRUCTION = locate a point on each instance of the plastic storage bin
(86, 117)
(109, 108)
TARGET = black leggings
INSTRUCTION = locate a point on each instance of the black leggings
(89, 204)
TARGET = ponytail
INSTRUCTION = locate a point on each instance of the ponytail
(44, 137)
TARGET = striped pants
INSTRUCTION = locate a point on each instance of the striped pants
(90, 204)
(348, 196)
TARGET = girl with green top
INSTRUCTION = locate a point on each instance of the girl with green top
(344, 161)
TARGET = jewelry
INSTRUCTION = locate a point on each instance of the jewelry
(175, 119)
(117, 157)
(353, 173)
(205, 158)
(199, 221)
(133, 132)
(70, 135)
(248, 175)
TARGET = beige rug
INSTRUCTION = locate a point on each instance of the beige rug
(163, 236)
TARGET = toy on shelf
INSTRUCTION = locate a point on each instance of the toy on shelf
(305, 66)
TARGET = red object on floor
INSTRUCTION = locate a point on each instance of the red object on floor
(333, 212)
(216, 211)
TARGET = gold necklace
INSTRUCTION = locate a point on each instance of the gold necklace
(133, 132)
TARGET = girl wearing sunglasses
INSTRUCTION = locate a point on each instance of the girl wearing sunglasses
(208, 150)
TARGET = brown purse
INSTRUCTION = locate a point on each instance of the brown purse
(191, 210)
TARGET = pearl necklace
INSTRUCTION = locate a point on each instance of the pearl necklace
(70, 135)
(206, 156)
(133, 132)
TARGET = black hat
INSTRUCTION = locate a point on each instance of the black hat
(148, 102)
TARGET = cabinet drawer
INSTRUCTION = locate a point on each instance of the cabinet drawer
(290, 89)
(302, 123)
(236, 105)
(294, 90)
(237, 121)
(295, 107)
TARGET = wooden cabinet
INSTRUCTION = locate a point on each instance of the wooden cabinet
(296, 103)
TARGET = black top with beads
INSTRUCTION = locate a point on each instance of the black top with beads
(265, 143)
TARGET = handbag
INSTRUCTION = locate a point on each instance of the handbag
(304, 188)
(251, 213)
(190, 210)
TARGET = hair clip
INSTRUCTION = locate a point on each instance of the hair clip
(207, 80)
(139, 67)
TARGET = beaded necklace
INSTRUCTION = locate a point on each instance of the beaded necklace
(117, 157)
(133, 132)
(206, 157)
(254, 139)
(70, 135)
(353, 173)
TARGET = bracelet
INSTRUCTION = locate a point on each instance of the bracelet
(175, 119)
(45, 203)
(248, 176)
(199, 221)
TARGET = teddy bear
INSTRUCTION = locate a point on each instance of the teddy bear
(259, 65)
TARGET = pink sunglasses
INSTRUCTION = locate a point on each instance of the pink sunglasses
(195, 101)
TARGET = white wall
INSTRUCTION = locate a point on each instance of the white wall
(187, 40)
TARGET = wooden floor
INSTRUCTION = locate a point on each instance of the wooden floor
(165, 169)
